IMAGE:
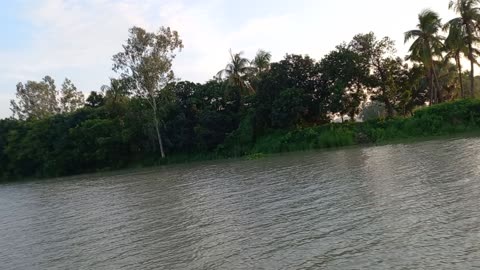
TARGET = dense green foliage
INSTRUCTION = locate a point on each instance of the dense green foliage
(251, 107)
(439, 120)
(91, 140)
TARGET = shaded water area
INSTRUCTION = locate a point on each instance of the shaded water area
(411, 206)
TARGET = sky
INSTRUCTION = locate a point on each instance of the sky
(77, 38)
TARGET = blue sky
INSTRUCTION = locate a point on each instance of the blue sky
(77, 38)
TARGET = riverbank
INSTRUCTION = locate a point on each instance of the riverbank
(443, 120)
(453, 119)
(459, 118)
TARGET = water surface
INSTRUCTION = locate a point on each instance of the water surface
(411, 206)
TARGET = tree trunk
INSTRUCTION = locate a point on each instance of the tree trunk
(255, 128)
(437, 93)
(389, 108)
(472, 73)
(430, 82)
(387, 102)
(157, 129)
(352, 117)
(470, 57)
(460, 79)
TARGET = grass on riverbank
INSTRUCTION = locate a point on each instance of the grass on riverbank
(436, 121)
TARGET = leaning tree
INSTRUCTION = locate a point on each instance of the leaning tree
(147, 60)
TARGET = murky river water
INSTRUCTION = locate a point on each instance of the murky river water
(390, 207)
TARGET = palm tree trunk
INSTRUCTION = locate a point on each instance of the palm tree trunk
(472, 73)
(459, 67)
(430, 82)
(470, 57)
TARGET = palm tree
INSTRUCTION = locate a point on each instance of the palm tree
(237, 71)
(261, 62)
(427, 45)
(455, 46)
(469, 21)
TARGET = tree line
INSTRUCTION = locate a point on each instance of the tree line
(146, 113)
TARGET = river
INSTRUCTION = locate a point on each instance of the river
(414, 206)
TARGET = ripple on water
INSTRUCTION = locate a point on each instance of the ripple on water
(390, 207)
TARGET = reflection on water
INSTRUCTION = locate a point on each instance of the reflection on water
(390, 207)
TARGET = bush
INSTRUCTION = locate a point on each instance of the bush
(442, 119)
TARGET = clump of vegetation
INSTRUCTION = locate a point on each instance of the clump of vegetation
(256, 156)
(440, 120)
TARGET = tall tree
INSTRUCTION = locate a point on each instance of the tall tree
(343, 77)
(237, 71)
(469, 21)
(35, 100)
(455, 46)
(71, 99)
(147, 59)
(376, 55)
(261, 62)
(427, 45)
